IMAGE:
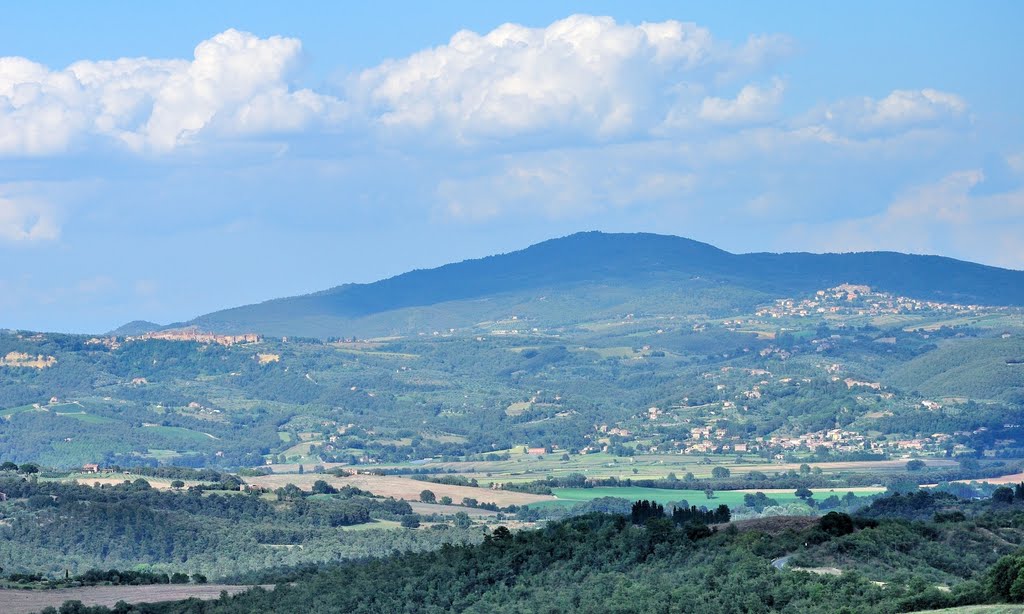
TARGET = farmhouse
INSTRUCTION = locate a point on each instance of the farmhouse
(91, 468)
(850, 383)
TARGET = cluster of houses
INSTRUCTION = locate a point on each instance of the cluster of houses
(710, 440)
(851, 299)
(191, 334)
(179, 334)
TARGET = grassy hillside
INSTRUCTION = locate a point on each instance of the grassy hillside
(627, 384)
(989, 368)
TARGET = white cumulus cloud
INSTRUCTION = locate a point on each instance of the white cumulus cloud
(901, 110)
(753, 103)
(582, 76)
(236, 85)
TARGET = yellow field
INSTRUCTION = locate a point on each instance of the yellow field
(88, 479)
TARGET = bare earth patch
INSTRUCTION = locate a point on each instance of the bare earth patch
(14, 601)
(1013, 478)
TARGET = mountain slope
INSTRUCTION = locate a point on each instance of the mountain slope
(135, 327)
(599, 273)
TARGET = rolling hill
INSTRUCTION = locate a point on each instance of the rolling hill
(572, 279)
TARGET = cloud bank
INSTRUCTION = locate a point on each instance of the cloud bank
(582, 79)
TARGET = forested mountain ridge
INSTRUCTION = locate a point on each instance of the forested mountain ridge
(589, 273)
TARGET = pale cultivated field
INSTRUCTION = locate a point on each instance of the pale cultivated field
(867, 466)
(14, 601)
(400, 488)
(90, 479)
(523, 467)
(1013, 478)
(437, 508)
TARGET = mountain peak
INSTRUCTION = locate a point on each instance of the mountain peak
(606, 271)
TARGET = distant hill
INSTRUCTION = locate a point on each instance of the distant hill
(135, 327)
(592, 274)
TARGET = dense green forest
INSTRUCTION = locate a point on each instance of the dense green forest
(964, 552)
(50, 527)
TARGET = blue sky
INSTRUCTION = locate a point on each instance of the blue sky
(161, 163)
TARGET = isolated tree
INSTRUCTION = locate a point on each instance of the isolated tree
(836, 524)
(290, 492)
(176, 484)
(501, 534)
(321, 487)
(1002, 494)
(804, 493)
(446, 500)
(720, 473)
(410, 521)
(427, 496)
(915, 465)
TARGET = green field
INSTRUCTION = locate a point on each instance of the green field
(522, 467)
(7, 413)
(568, 497)
(88, 418)
(183, 434)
